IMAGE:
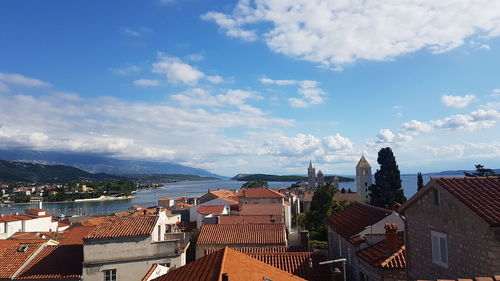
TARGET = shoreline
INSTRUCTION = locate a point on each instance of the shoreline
(98, 199)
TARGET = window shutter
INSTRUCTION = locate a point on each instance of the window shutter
(435, 248)
(444, 250)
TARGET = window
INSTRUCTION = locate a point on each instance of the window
(439, 248)
(437, 200)
(110, 275)
(366, 183)
(364, 172)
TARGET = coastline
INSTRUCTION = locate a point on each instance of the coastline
(99, 199)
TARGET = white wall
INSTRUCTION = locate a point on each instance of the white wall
(39, 224)
(193, 211)
(379, 227)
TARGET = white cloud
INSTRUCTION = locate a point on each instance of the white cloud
(126, 70)
(457, 101)
(135, 32)
(496, 93)
(3, 88)
(308, 89)
(385, 136)
(176, 71)
(201, 97)
(306, 145)
(485, 47)
(415, 127)
(343, 32)
(337, 142)
(21, 80)
(195, 57)
(478, 119)
(146, 83)
(216, 79)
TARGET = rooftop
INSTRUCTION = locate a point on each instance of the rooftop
(75, 235)
(55, 262)
(12, 257)
(226, 234)
(211, 210)
(353, 197)
(355, 218)
(226, 195)
(379, 255)
(237, 266)
(267, 249)
(259, 193)
(114, 227)
(363, 163)
(297, 263)
(275, 209)
(250, 219)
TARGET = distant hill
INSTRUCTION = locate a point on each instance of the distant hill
(102, 163)
(461, 172)
(264, 177)
(166, 177)
(13, 171)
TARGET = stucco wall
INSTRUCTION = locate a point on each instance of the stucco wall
(472, 247)
(39, 224)
(193, 212)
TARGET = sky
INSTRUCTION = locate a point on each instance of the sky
(255, 86)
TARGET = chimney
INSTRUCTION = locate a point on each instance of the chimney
(225, 277)
(391, 237)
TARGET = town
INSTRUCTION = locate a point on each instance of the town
(312, 231)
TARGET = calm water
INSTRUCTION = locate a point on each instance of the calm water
(178, 189)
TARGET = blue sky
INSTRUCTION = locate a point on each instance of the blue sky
(243, 87)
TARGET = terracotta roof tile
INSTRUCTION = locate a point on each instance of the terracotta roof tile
(254, 250)
(250, 219)
(150, 271)
(226, 195)
(259, 193)
(166, 199)
(261, 209)
(114, 227)
(93, 221)
(25, 236)
(298, 264)
(353, 197)
(379, 255)
(227, 234)
(211, 210)
(480, 194)
(55, 262)
(238, 267)
(354, 218)
(11, 259)
(75, 235)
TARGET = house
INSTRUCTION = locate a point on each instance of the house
(355, 228)
(240, 235)
(453, 228)
(384, 260)
(306, 200)
(250, 219)
(16, 254)
(213, 198)
(260, 196)
(33, 220)
(208, 214)
(155, 271)
(132, 245)
(227, 265)
(166, 203)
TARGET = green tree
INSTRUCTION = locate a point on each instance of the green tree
(420, 181)
(481, 171)
(255, 184)
(387, 188)
(322, 199)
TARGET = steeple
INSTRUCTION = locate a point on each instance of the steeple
(310, 164)
(363, 163)
(363, 179)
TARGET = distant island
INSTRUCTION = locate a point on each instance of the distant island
(290, 178)
(161, 178)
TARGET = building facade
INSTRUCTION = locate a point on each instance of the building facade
(363, 179)
(311, 176)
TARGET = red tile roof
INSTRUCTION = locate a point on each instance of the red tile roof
(93, 221)
(25, 236)
(55, 262)
(379, 254)
(75, 235)
(211, 210)
(114, 227)
(237, 266)
(226, 195)
(267, 249)
(355, 218)
(298, 264)
(150, 271)
(166, 199)
(275, 209)
(353, 197)
(227, 234)
(480, 194)
(250, 219)
(307, 197)
(11, 260)
(259, 193)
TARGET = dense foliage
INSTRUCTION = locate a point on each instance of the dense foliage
(255, 184)
(420, 181)
(481, 171)
(387, 189)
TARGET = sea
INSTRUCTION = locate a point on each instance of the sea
(149, 197)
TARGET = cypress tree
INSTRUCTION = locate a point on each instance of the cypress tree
(387, 188)
(420, 181)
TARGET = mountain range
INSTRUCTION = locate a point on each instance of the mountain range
(101, 163)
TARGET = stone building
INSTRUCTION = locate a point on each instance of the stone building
(453, 229)
(320, 178)
(363, 179)
(311, 176)
(131, 246)
(355, 228)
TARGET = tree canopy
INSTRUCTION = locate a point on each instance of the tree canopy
(255, 184)
(481, 171)
(420, 181)
(387, 188)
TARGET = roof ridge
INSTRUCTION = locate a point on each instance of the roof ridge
(224, 251)
(392, 256)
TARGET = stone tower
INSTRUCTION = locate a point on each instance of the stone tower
(311, 176)
(363, 179)
(320, 178)
(336, 182)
